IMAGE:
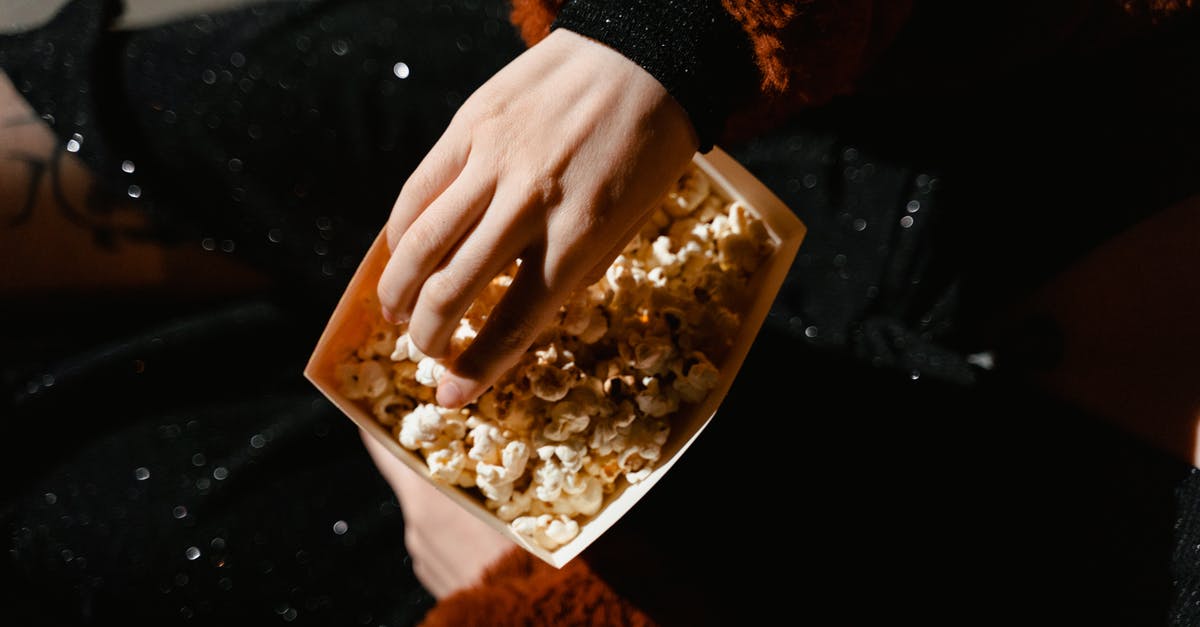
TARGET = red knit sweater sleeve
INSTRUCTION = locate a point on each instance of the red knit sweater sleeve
(521, 590)
(806, 52)
(809, 51)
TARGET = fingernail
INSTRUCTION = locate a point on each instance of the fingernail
(449, 393)
(394, 317)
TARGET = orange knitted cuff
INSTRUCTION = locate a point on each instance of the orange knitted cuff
(521, 590)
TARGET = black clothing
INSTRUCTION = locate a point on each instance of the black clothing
(185, 472)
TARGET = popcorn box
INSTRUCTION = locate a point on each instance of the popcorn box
(352, 321)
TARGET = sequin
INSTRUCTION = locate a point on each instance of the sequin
(863, 234)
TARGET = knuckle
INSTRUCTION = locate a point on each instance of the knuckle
(419, 240)
(562, 273)
(388, 294)
(393, 232)
(420, 337)
(545, 189)
(514, 331)
(393, 286)
(441, 294)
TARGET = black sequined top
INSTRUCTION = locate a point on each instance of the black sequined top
(170, 465)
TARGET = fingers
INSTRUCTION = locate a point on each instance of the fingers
(430, 239)
(549, 273)
(525, 309)
(449, 547)
(449, 290)
(440, 167)
(601, 267)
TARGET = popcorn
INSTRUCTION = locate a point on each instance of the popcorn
(430, 427)
(655, 399)
(687, 193)
(694, 383)
(389, 409)
(582, 496)
(364, 379)
(568, 418)
(429, 370)
(447, 464)
(405, 349)
(548, 380)
(499, 462)
(547, 531)
(379, 343)
(590, 404)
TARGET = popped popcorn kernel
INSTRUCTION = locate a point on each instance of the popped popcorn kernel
(549, 532)
(429, 370)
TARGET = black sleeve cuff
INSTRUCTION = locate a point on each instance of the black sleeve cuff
(693, 47)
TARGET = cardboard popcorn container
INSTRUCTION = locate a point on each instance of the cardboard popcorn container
(356, 313)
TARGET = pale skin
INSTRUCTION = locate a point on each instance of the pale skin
(555, 161)
(450, 548)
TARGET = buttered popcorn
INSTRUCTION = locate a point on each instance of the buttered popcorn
(590, 404)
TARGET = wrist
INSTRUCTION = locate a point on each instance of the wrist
(694, 49)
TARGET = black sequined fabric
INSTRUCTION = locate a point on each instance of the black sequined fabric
(687, 45)
(171, 466)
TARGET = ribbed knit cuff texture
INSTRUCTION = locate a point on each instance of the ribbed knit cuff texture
(694, 48)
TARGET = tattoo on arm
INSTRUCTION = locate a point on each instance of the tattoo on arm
(100, 207)
(37, 170)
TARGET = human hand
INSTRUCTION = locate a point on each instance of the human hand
(557, 160)
(450, 548)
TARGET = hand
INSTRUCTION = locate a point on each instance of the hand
(450, 548)
(556, 161)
